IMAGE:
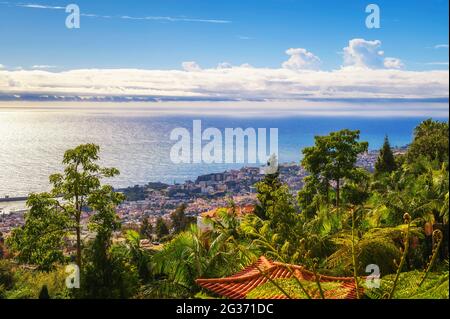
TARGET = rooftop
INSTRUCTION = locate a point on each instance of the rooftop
(239, 211)
(239, 285)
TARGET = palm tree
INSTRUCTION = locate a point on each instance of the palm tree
(139, 256)
(420, 189)
(191, 255)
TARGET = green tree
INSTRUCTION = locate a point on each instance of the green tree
(430, 141)
(386, 161)
(265, 189)
(138, 256)
(107, 272)
(332, 159)
(56, 214)
(161, 228)
(40, 240)
(43, 294)
(146, 229)
(281, 224)
(191, 255)
(180, 222)
(2, 246)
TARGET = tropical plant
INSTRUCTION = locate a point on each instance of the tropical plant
(54, 215)
(191, 255)
(430, 141)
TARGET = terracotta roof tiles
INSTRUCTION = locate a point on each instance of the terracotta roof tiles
(240, 284)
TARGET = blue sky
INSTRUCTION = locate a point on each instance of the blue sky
(258, 32)
(246, 50)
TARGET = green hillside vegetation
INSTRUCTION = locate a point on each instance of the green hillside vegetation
(343, 220)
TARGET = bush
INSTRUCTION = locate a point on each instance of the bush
(110, 276)
(6, 277)
(28, 284)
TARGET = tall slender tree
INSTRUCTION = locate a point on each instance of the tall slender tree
(161, 228)
(265, 190)
(54, 215)
(386, 161)
(146, 229)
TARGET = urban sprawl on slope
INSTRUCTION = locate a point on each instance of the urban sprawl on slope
(208, 192)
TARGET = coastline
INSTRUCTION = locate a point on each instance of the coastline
(18, 203)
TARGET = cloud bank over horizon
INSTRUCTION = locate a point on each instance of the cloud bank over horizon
(366, 73)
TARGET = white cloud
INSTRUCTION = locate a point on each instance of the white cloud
(173, 19)
(2, 66)
(367, 54)
(237, 83)
(393, 63)
(437, 63)
(441, 46)
(39, 6)
(367, 75)
(43, 66)
(148, 18)
(191, 66)
(224, 65)
(301, 59)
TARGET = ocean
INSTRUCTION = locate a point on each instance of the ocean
(33, 140)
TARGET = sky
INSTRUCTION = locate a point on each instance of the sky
(225, 50)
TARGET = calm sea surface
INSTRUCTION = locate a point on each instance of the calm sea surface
(32, 142)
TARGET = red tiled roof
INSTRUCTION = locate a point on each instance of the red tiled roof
(239, 211)
(240, 284)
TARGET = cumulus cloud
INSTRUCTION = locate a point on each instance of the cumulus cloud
(367, 54)
(191, 66)
(367, 75)
(301, 59)
(224, 65)
(393, 63)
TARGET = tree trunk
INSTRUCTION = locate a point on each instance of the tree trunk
(338, 189)
(78, 231)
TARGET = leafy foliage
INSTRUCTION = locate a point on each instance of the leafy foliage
(332, 290)
(54, 215)
(344, 219)
(430, 141)
(333, 159)
(386, 162)
(191, 255)
(435, 287)
(180, 221)
(41, 240)
(27, 284)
